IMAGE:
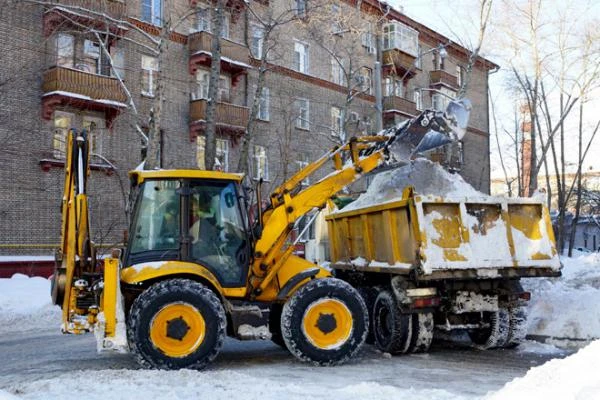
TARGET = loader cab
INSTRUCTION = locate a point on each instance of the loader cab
(192, 216)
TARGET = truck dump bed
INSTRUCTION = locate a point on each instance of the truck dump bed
(441, 238)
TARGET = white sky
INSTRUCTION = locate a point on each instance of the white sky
(440, 14)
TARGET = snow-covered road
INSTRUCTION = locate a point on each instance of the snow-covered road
(47, 365)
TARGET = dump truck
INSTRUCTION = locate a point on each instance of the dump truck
(197, 267)
(429, 265)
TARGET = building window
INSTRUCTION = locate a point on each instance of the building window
(367, 39)
(303, 110)
(257, 40)
(95, 128)
(336, 20)
(459, 75)
(302, 162)
(65, 50)
(337, 72)
(367, 80)
(301, 8)
(388, 86)
(225, 26)
(152, 11)
(202, 83)
(301, 57)
(417, 99)
(222, 156)
(419, 59)
(263, 105)
(118, 62)
(261, 165)
(62, 124)
(149, 75)
(203, 19)
(91, 57)
(337, 122)
(224, 89)
(438, 61)
(402, 37)
(439, 101)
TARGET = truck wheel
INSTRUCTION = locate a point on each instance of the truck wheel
(325, 322)
(392, 328)
(275, 325)
(422, 332)
(517, 318)
(495, 334)
(369, 295)
(177, 323)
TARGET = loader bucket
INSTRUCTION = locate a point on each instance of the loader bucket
(452, 126)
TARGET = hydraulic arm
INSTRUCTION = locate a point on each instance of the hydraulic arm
(290, 201)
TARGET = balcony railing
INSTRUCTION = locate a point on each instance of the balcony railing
(399, 104)
(230, 115)
(88, 86)
(112, 8)
(201, 41)
(438, 77)
(402, 62)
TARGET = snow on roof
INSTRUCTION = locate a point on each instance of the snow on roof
(226, 59)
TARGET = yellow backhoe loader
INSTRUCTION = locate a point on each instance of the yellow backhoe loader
(198, 267)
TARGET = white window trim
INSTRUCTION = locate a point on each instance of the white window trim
(151, 76)
(257, 32)
(257, 157)
(303, 67)
(300, 122)
(264, 114)
(153, 16)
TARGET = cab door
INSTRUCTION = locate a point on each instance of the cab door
(218, 237)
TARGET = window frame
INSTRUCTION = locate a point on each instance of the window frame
(303, 57)
(264, 104)
(303, 121)
(59, 139)
(257, 38)
(260, 154)
(156, 18)
(152, 75)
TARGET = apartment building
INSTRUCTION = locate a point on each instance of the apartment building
(97, 65)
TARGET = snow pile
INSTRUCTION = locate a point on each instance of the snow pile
(214, 385)
(25, 304)
(567, 307)
(575, 377)
(426, 177)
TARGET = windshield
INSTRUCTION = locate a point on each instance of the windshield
(157, 219)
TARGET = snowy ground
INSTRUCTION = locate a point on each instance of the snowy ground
(40, 363)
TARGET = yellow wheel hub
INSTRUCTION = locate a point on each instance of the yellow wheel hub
(327, 324)
(177, 329)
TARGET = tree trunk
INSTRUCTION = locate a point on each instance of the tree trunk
(210, 150)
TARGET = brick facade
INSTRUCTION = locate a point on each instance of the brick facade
(31, 176)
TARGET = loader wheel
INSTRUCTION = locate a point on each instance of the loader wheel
(495, 335)
(392, 328)
(175, 324)
(325, 322)
(275, 325)
(422, 332)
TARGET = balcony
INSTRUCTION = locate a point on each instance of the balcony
(231, 119)
(442, 78)
(235, 58)
(399, 63)
(69, 87)
(90, 13)
(399, 105)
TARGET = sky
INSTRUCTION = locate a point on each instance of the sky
(438, 14)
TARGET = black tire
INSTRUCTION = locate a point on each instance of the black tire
(422, 332)
(348, 327)
(392, 328)
(495, 335)
(369, 295)
(275, 325)
(517, 318)
(171, 293)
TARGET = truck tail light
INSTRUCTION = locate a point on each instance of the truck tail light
(426, 302)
